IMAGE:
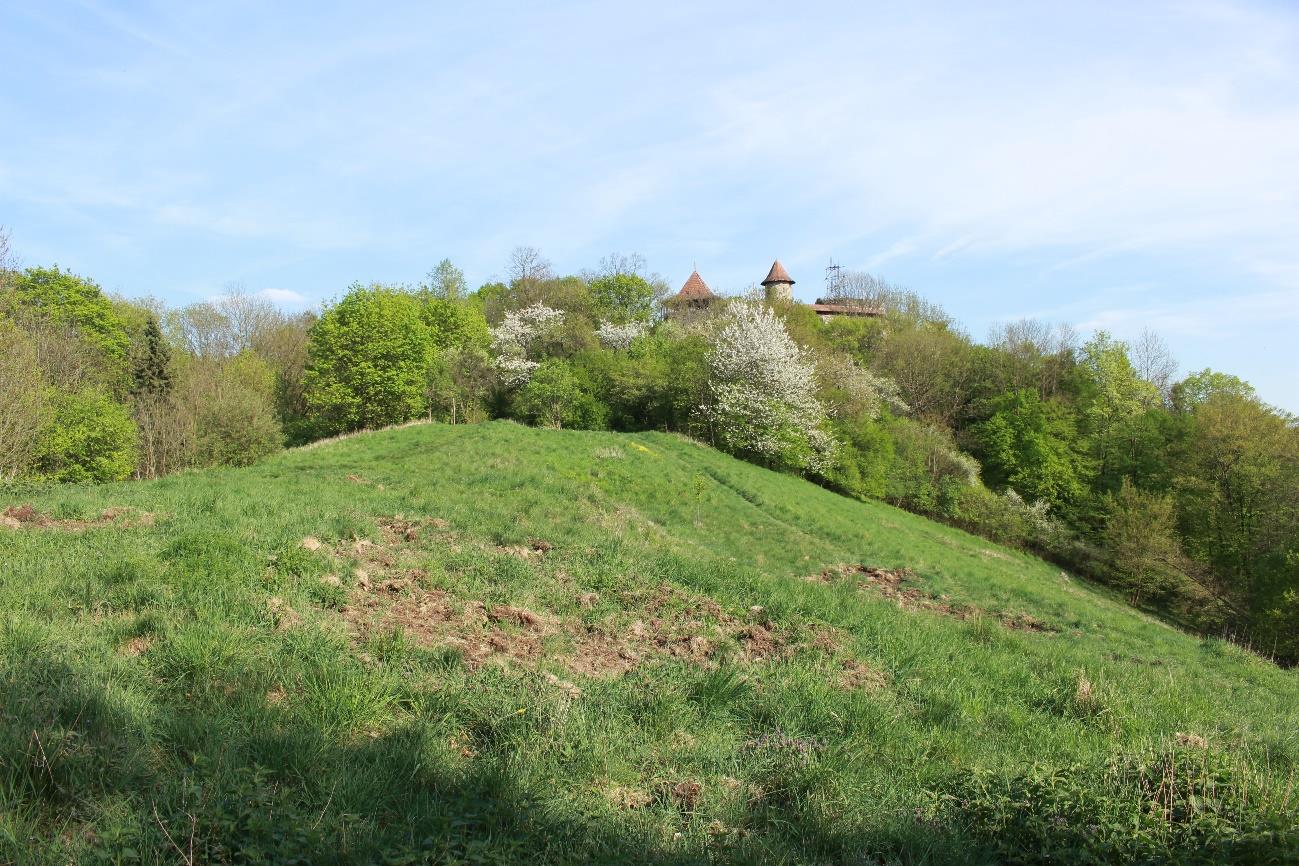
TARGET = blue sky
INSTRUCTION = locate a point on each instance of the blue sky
(1114, 165)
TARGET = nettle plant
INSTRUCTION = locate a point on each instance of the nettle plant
(761, 392)
(518, 333)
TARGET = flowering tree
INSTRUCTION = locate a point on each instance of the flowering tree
(516, 335)
(761, 392)
(855, 392)
(613, 336)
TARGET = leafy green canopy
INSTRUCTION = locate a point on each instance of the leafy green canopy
(1032, 445)
(89, 438)
(62, 298)
(622, 298)
(368, 359)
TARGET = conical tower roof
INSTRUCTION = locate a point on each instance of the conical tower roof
(695, 288)
(777, 274)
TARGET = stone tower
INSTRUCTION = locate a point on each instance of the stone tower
(779, 285)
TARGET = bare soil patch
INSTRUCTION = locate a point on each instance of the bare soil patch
(27, 517)
(896, 584)
(656, 622)
(672, 625)
(858, 676)
(135, 646)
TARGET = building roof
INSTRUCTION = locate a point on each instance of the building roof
(777, 274)
(695, 288)
(845, 310)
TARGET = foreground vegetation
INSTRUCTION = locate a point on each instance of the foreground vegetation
(1182, 493)
(490, 643)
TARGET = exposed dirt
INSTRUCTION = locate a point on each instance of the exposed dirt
(504, 613)
(895, 585)
(536, 549)
(673, 624)
(658, 622)
(398, 529)
(27, 517)
(1025, 622)
(283, 614)
(685, 794)
(859, 676)
(628, 798)
(135, 646)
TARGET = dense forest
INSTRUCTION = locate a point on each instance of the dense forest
(1180, 492)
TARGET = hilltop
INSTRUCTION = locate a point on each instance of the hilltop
(489, 643)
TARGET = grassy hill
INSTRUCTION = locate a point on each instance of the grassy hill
(494, 644)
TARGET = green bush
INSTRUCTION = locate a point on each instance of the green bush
(862, 460)
(235, 414)
(88, 438)
(556, 396)
(928, 474)
(368, 360)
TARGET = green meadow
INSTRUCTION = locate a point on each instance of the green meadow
(497, 644)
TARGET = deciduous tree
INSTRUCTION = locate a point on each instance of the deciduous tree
(368, 359)
(762, 400)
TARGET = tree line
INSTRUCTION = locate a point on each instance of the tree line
(1181, 492)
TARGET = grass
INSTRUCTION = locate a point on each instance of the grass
(491, 644)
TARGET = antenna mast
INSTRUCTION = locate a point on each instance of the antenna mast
(833, 280)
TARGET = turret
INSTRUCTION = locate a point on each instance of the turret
(779, 285)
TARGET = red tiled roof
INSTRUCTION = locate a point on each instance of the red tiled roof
(695, 288)
(777, 274)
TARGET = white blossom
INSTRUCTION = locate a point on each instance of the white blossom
(515, 370)
(520, 328)
(761, 391)
(859, 390)
(613, 336)
(517, 333)
(1038, 515)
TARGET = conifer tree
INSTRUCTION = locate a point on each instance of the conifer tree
(152, 373)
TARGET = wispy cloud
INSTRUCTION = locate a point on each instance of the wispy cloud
(1211, 318)
(285, 297)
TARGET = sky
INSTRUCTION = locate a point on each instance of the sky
(1113, 165)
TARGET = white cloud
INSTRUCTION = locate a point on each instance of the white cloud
(287, 297)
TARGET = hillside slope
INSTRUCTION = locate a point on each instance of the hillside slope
(492, 643)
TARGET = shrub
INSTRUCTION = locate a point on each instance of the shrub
(928, 474)
(862, 460)
(555, 397)
(61, 298)
(233, 405)
(517, 339)
(1141, 538)
(88, 438)
(761, 393)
